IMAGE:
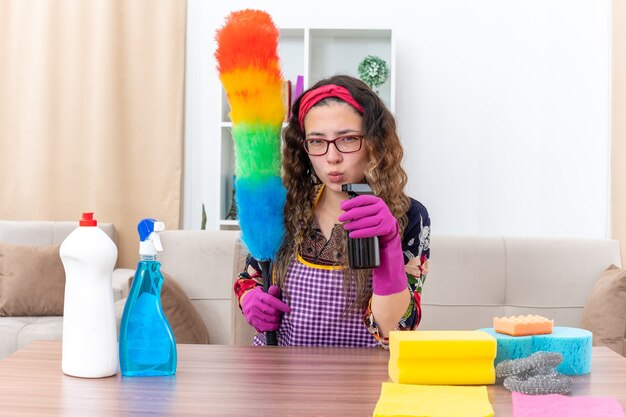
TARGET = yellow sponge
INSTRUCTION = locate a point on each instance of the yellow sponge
(432, 400)
(442, 357)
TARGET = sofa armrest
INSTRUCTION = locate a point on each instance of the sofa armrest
(121, 277)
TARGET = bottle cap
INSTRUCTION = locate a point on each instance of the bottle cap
(88, 220)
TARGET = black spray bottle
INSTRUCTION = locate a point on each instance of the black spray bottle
(363, 253)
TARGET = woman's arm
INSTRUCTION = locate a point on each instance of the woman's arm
(248, 279)
(416, 249)
(388, 310)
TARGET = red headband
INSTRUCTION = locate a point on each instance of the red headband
(312, 97)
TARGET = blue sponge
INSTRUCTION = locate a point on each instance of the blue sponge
(574, 344)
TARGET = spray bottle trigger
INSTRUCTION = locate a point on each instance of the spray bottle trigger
(156, 239)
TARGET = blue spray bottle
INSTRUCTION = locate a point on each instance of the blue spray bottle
(147, 344)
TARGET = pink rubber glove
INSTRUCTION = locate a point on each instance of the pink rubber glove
(369, 216)
(263, 310)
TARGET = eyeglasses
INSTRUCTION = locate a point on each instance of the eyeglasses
(344, 144)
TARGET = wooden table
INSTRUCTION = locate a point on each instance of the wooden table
(238, 381)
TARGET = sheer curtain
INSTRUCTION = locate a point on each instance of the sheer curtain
(91, 112)
(618, 134)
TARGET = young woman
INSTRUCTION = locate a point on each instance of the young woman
(340, 132)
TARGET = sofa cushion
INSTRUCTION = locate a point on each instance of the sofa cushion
(18, 332)
(32, 280)
(201, 262)
(604, 313)
(38, 232)
(185, 321)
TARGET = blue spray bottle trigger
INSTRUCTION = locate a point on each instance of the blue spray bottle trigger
(145, 227)
(150, 242)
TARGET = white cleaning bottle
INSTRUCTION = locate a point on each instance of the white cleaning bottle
(89, 332)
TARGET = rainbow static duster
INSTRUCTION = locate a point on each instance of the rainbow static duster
(249, 70)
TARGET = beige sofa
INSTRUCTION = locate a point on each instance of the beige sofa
(17, 332)
(471, 279)
(203, 263)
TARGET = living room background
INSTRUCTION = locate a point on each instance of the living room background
(512, 114)
(503, 108)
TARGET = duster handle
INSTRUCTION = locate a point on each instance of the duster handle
(266, 271)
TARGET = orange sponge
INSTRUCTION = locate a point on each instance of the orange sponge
(523, 325)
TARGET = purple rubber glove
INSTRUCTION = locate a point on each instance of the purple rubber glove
(263, 310)
(368, 216)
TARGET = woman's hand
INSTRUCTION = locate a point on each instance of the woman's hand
(263, 310)
(369, 216)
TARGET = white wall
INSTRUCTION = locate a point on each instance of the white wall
(503, 108)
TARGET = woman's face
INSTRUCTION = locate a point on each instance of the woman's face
(330, 121)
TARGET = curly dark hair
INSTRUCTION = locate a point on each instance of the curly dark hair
(383, 173)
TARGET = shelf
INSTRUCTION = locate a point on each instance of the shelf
(313, 54)
(360, 34)
(339, 51)
(229, 225)
(230, 124)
